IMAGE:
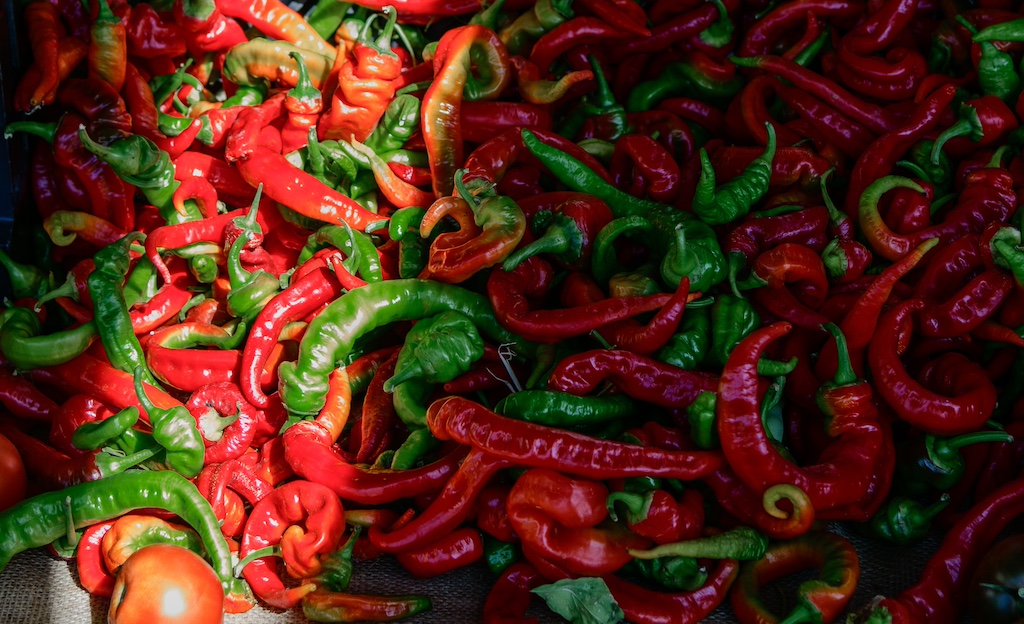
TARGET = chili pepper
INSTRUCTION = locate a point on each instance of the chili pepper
(23, 347)
(646, 606)
(929, 463)
(983, 120)
(206, 28)
(940, 592)
(905, 521)
(304, 104)
(278, 21)
(658, 515)
(685, 27)
(24, 399)
(968, 308)
(132, 532)
(646, 167)
(39, 520)
(997, 75)
(795, 284)
(732, 319)
(469, 422)
(175, 430)
(430, 347)
(509, 293)
(536, 90)
(452, 82)
(302, 192)
(824, 597)
(302, 390)
(44, 33)
(598, 114)
(500, 226)
(561, 409)
(568, 232)
(378, 417)
(65, 227)
(561, 536)
(28, 95)
(148, 35)
(520, 35)
(748, 239)
(92, 573)
(636, 375)
(850, 417)
(732, 200)
(331, 606)
(966, 410)
(509, 595)
(307, 450)
(400, 193)
(305, 520)
(108, 47)
(173, 361)
(697, 76)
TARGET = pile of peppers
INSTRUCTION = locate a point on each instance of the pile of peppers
(646, 302)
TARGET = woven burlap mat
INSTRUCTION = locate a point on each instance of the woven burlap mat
(39, 588)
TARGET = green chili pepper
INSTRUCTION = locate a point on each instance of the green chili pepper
(499, 554)
(930, 463)
(744, 544)
(683, 574)
(437, 350)
(23, 347)
(689, 345)
(925, 163)
(717, 205)
(332, 334)
(25, 280)
(523, 32)
(400, 121)
(904, 521)
(413, 250)
(139, 161)
(719, 34)
(93, 435)
(579, 177)
(418, 444)
(110, 308)
(174, 429)
(41, 519)
(250, 291)
(326, 16)
(701, 416)
(679, 79)
(561, 409)
(997, 74)
(732, 318)
(361, 257)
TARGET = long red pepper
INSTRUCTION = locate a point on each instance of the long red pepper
(529, 444)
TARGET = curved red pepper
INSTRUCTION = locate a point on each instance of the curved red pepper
(974, 395)
(455, 549)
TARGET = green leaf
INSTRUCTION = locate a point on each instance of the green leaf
(582, 601)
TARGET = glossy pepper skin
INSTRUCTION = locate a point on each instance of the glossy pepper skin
(822, 598)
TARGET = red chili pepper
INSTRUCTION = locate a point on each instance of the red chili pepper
(468, 422)
(211, 405)
(649, 606)
(206, 28)
(92, 572)
(24, 399)
(896, 76)
(139, 102)
(509, 596)
(148, 35)
(277, 20)
(843, 474)
(666, 34)
(578, 31)
(761, 509)
(829, 124)
(972, 399)
(308, 451)
(657, 515)
(458, 52)
(302, 297)
(45, 31)
(642, 166)
(306, 520)
(447, 510)
(73, 412)
(636, 375)
(456, 549)
(764, 33)
(379, 417)
(556, 518)
(510, 293)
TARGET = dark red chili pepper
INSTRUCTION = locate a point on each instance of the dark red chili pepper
(148, 35)
(684, 26)
(642, 166)
(468, 422)
(972, 395)
(379, 417)
(510, 293)
(455, 549)
(108, 46)
(509, 596)
(762, 36)
(650, 606)
(570, 34)
(636, 375)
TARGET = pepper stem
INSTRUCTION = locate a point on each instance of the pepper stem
(835, 216)
(72, 536)
(845, 374)
(43, 130)
(637, 505)
(968, 124)
(266, 551)
(976, 437)
(802, 612)
(554, 240)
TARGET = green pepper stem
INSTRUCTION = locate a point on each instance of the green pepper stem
(43, 130)
(802, 613)
(637, 505)
(968, 124)
(845, 374)
(975, 437)
(266, 551)
(555, 240)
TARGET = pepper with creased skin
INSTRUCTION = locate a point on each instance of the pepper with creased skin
(820, 599)
(437, 349)
(657, 514)
(732, 200)
(468, 422)
(250, 290)
(561, 534)
(562, 409)
(108, 46)
(24, 347)
(499, 226)
(175, 430)
(645, 605)
(567, 232)
(638, 376)
(698, 75)
(317, 513)
(930, 463)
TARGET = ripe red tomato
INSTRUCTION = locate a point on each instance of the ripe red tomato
(994, 596)
(166, 584)
(12, 475)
